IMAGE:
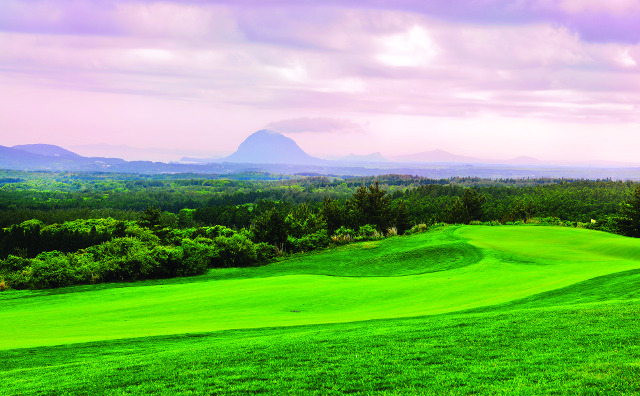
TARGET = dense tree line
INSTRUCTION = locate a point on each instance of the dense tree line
(63, 229)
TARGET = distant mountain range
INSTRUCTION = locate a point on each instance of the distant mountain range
(354, 158)
(272, 152)
(51, 157)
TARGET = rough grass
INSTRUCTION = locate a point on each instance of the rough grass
(561, 317)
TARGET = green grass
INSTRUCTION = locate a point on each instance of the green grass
(471, 310)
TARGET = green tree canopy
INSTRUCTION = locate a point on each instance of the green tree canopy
(629, 223)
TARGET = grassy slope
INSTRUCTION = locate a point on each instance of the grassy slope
(588, 349)
(462, 274)
(578, 335)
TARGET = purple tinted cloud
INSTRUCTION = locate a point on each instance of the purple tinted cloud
(65, 17)
(593, 20)
(556, 60)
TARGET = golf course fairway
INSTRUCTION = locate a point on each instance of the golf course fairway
(444, 270)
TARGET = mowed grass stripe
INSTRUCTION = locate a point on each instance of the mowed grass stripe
(288, 300)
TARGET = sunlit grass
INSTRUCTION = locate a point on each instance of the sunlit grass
(509, 310)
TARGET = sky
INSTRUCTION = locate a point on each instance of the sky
(557, 80)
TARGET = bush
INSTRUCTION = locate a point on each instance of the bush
(236, 251)
(343, 235)
(48, 270)
(199, 252)
(368, 232)
(422, 227)
(14, 263)
(317, 240)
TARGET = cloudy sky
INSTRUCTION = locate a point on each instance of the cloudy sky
(552, 79)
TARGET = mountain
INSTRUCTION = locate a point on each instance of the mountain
(48, 150)
(197, 160)
(373, 157)
(11, 158)
(522, 160)
(51, 157)
(437, 156)
(270, 147)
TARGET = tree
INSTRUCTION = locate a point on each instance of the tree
(473, 201)
(270, 227)
(150, 218)
(629, 221)
(457, 213)
(466, 209)
(402, 221)
(372, 206)
(332, 214)
(521, 210)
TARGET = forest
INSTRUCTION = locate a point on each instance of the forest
(61, 229)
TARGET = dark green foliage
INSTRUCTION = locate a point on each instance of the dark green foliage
(32, 237)
(47, 270)
(343, 235)
(457, 213)
(371, 206)
(333, 214)
(629, 221)
(473, 202)
(308, 242)
(293, 215)
(270, 227)
(150, 218)
(401, 217)
(520, 211)
(142, 256)
(465, 209)
(230, 216)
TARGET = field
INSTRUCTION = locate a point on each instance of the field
(456, 310)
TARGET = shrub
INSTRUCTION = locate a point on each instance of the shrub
(125, 259)
(368, 232)
(392, 231)
(317, 240)
(236, 251)
(199, 252)
(49, 270)
(343, 235)
(264, 251)
(422, 227)
(14, 263)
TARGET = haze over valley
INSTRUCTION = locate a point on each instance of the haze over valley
(271, 152)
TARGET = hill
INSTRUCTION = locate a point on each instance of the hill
(368, 158)
(438, 156)
(48, 150)
(553, 310)
(11, 158)
(51, 157)
(269, 147)
(546, 321)
(444, 271)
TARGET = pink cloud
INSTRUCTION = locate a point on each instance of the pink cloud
(340, 63)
